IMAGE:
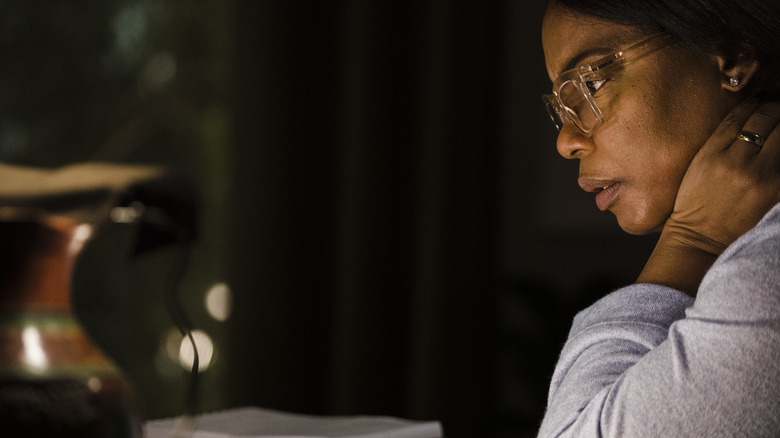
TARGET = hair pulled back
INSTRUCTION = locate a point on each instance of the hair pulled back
(733, 29)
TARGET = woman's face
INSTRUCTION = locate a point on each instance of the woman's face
(657, 113)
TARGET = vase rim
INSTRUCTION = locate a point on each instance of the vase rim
(29, 214)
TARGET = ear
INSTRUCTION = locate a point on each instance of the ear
(736, 75)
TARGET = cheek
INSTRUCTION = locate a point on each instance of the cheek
(659, 124)
(653, 142)
(656, 147)
(679, 116)
(686, 108)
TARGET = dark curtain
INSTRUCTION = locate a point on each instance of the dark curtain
(400, 234)
(362, 222)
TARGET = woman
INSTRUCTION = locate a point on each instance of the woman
(667, 106)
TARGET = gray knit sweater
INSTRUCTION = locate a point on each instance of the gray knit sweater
(649, 361)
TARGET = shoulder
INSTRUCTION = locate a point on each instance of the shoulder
(745, 281)
(763, 239)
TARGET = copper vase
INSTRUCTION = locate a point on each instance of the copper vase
(54, 382)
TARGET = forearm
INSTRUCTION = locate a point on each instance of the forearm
(606, 340)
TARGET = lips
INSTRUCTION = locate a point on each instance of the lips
(606, 190)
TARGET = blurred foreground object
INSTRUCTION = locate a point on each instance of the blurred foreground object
(54, 382)
(161, 201)
(254, 422)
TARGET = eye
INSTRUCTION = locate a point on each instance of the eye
(593, 86)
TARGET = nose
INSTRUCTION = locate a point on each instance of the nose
(573, 143)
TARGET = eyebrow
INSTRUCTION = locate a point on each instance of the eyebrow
(577, 59)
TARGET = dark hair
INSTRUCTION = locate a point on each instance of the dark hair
(734, 29)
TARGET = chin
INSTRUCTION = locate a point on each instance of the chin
(638, 227)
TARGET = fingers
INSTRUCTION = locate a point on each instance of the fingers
(756, 131)
(750, 130)
(770, 150)
(732, 124)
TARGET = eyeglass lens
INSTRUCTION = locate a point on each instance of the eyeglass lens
(575, 99)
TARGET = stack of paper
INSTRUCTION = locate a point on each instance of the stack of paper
(265, 423)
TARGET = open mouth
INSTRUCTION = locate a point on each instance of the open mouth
(605, 196)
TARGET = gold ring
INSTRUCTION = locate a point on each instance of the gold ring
(751, 137)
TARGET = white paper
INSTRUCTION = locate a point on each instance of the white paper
(265, 423)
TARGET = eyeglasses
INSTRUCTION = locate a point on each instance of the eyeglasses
(572, 93)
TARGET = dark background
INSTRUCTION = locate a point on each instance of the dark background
(380, 191)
